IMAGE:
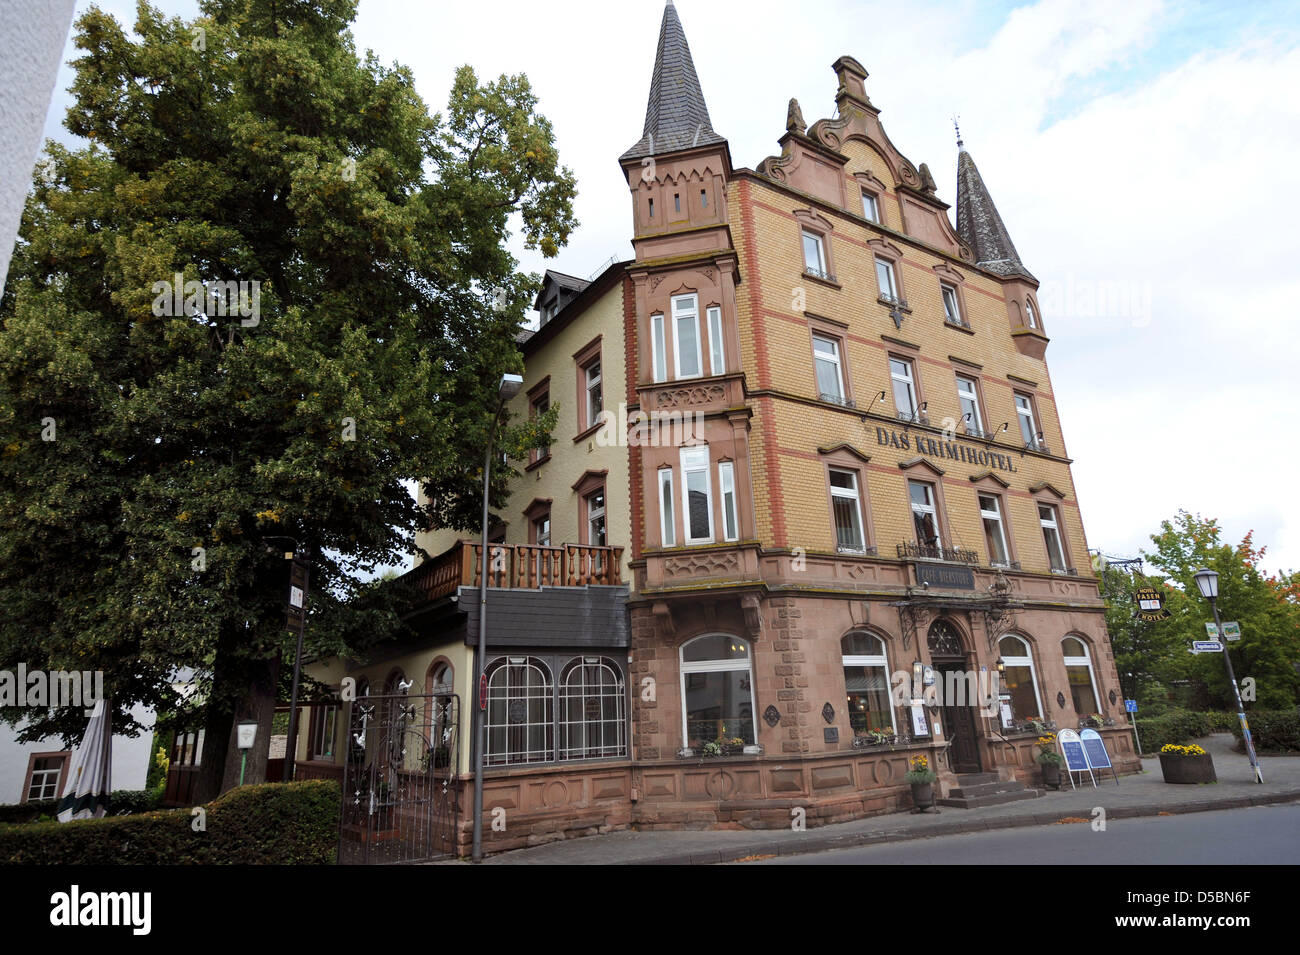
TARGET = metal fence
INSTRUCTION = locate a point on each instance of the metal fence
(400, 799)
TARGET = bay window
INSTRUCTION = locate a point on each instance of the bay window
(697, 496)
(717, 350)
(667, 524)
(727, 488)
(686, 336)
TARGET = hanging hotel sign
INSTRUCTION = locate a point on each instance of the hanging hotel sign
(944, 450)
(1150, 603)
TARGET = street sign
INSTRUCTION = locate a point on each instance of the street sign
(1231, 630)
(1130, 706)
(295, 611)
(1212, 631)
(1207, 646)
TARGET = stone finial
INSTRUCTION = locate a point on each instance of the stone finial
(928, 184)
(794, 118)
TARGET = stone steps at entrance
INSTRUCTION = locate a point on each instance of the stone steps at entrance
(975, 790)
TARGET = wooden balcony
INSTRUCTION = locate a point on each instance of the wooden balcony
(520, 566)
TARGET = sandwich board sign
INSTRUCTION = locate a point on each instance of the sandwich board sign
(1076, 760)
(1094, 748)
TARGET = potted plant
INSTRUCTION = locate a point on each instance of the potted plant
(921, 778)
(1092, 720)
(1049, 760)
(1186, 764)
(1035, 724)
(878, 737)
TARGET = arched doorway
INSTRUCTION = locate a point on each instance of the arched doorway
(958, 690)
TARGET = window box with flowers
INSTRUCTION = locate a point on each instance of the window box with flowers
(1186, 764)
(871, 738)
(1092, 721)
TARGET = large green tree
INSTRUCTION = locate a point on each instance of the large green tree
(154, 458)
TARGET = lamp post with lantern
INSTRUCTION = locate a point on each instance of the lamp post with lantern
(1207, 581)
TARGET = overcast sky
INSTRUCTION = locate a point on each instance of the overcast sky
(1145, 157)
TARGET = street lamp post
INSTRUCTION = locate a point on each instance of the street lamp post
(508, 388)
(1208, 582)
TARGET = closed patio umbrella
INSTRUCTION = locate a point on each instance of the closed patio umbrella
(85, 795)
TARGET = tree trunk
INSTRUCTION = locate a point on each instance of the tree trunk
(219, 770)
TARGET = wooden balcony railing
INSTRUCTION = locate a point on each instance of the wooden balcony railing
(522, 566)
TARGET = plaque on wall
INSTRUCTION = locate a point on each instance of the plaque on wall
(518, 711)
(831, 734)
(945, 576)
(771, 715)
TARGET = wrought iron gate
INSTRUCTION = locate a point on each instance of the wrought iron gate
(400, 792)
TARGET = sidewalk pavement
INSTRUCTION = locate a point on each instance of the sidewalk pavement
(1137, 795)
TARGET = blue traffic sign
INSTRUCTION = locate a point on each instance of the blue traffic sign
(1130, 706)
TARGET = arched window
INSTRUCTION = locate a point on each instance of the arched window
(1078, 669)
(1019, 678)
(717, 690)
(593, 722)
(442, 715)
(866, 681)
(521, 712)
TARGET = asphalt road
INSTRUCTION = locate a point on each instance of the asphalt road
(1261, 835)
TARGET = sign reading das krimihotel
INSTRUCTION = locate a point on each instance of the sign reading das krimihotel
(948, 450)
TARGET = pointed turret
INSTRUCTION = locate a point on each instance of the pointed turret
(675, 115)
(979, 224)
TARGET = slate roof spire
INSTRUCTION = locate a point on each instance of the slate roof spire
(675, 115)
(978, 222)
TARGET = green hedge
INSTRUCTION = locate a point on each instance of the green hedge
(271, 824)
(1222, 722)
(1175, 726)
(1273, 731)
(120, 801)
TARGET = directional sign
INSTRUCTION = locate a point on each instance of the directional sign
(1231, 630)
(1207, 646)
(1130, 706)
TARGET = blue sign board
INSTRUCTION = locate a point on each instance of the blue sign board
(1095, 749)
(1075, 758)
(1130, 706)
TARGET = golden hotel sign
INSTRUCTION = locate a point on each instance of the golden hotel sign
(944, 450)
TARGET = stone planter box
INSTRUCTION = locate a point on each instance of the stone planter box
(1187, 769)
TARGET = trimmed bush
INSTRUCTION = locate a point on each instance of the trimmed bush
(1222, 722)
(1175, 726)
(120, 801)
(271, 824)
(1273, 731)
(27, 811)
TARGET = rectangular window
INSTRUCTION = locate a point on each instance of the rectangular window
(704, 198)
(847, 508)
(658, 354)
(727, 484)
(969, 397)
(596, 518)
(885, 278)
(697, 496)
(814, 261)
(951, 309)
(686, 336)
(677, 202)
(995, 537)
(1052, 537)
(826, 355)
(542, 531)
(538, 407)
(322, 742)
(667, 520)
(717, 353)
(869, 207)
(47, 773)
(595, 401)
(900, 373)
(925, 516)
(1028, 426)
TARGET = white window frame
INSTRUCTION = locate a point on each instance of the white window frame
(994, 515)
(831, 360)
(716, 666)
(1030, 314)
(1053, 524)
(1023, 661)
(685, 308)
(931, 508)
(324, 732)
(853, 494)
(1085, 660)
(870, 207)
(909, 380)
(870, 660)
(543, 537)
(1025, 412)
(948, 293)
(593, 412)
(717, 348)
(545, 728)
(885, 275)
(817, 269)
(658, 347)
(695, 460)
(973, 396)
(667, 509)
(594, 512)
(64, 761)
(727, 490)
(608, 688)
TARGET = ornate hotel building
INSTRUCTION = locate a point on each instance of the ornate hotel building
(808, 447)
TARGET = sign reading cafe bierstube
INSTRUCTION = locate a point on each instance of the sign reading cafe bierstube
(947, 450)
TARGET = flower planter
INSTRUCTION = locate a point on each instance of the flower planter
(923, 796)
(1188, 769)
(1051, 775)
